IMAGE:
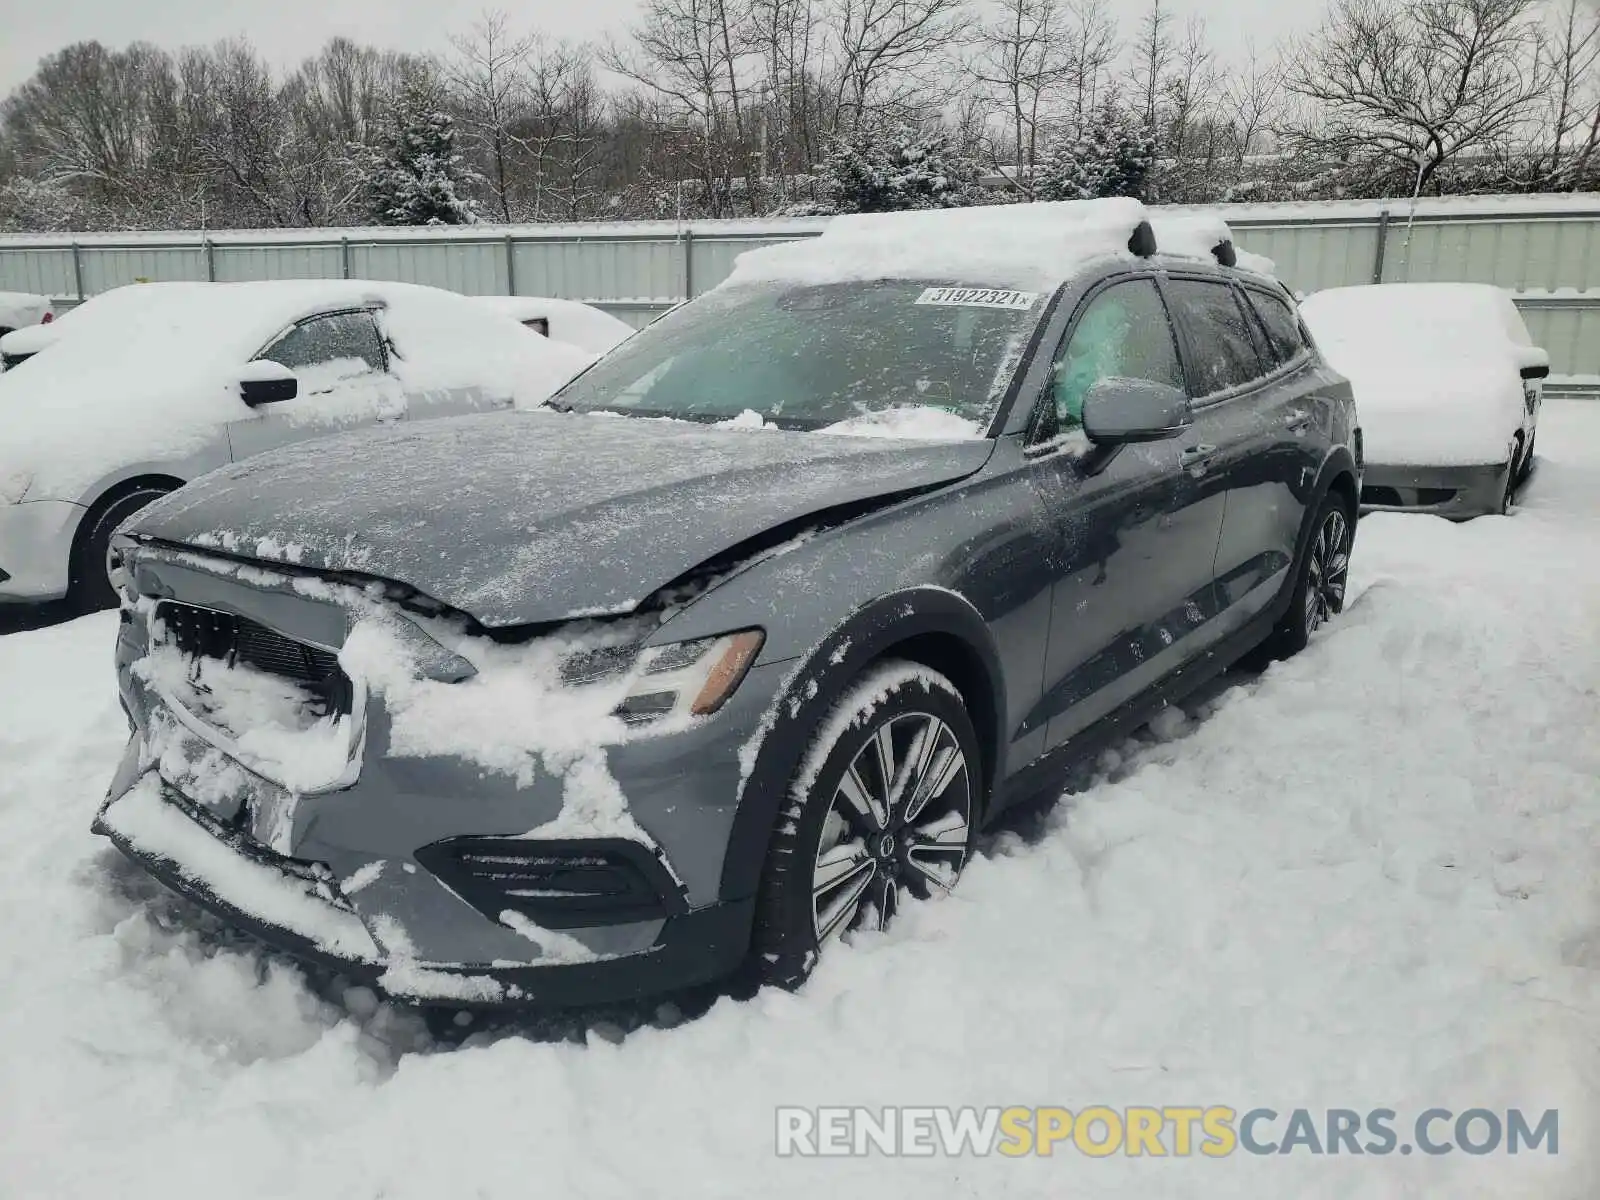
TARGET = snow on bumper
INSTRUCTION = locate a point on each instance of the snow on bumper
(35, 545)
(299, 908)
(201, 864)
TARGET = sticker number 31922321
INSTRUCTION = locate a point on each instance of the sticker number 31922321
(968, 297)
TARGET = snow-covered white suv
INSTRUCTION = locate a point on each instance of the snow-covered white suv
(151, 385)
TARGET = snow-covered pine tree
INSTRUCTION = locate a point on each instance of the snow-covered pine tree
(414, 175)
(898, 168)
(1113, 156)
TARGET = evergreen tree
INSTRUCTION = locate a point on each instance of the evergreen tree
(1111, 157)
(895, 169)
(414, 174)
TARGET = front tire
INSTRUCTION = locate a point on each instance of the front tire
(89, 585)
(881, 810)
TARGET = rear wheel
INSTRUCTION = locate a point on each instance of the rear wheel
(882, 810)
(1514, 470)
(90, 585)
(1324, 578)
(1526, 469)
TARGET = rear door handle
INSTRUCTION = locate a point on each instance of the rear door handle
(1194, 454)
(1298, 422)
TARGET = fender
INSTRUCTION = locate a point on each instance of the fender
(820, 677)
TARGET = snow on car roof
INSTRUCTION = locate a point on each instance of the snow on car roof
(1024, 245)
(1476, 319)
(573, 321)
(1434, 367)
(1197, 233)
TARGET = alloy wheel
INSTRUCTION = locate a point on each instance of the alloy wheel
(898, 822)
(1329, 570)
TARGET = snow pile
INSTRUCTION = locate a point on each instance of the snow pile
(1435, 368)
(1032, 246)
(911, 422)
(570, 321)
(272, 726)
(1366, 878)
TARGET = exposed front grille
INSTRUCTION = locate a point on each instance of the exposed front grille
(234, 640)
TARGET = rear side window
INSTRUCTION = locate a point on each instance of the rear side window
(336, 337)
(1281, 325)
(1223, 350)
(1123, 334)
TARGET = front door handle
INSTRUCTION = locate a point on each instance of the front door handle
(1194, 454)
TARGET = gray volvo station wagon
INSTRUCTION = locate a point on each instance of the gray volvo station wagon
(733, 649)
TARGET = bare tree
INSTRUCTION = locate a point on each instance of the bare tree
(1252, 101)
(691, 53)
(1566, 125)
(1152, 55)
(882, 49)
(1092, 35)
(1022, 59)
(1413, 87)
(489, 76)
(1190, 88)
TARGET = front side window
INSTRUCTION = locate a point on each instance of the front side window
(336, 338)
(1122, 334)
(1281, 325)
(807, 356)
(1219, 336)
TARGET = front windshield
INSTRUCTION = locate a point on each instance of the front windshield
(810, 356)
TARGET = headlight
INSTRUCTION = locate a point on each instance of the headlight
(686, 679)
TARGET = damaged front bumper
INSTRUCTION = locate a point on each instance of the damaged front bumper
(298, 907)
(430, 876)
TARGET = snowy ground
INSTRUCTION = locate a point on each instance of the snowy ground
(1367, 878)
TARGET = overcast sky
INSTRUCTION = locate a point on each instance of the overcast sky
(289, 30)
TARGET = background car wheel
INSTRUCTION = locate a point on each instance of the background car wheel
(1514, 469)
(1324, 577)
(882, 810)
(89, 586)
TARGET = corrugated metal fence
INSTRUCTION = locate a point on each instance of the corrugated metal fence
(1545, 249)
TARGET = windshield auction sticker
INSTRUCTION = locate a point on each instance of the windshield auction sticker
(979, 298)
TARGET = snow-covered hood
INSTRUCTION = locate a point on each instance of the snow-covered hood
(1460, 414)
(524, 518)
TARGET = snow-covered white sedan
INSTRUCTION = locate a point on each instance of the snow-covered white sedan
(1448, 384)
(571, 321)
(151, 385)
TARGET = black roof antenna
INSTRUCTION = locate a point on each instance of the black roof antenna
(1225, 253)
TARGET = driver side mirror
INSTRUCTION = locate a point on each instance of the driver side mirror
(1118, 412)
(266, 382)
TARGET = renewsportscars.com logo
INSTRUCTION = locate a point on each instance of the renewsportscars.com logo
(1178, 1132)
